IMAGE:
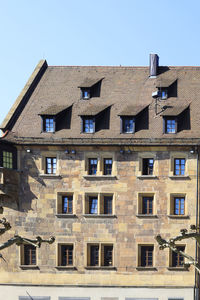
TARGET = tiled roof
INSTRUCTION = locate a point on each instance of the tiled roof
(132, 110)
(173, 110)
(165, 82)
(126, 90)
(92, 110)
(89, 82)
(53, 110)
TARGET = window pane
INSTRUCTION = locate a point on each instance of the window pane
(67, 204)
(179, 206)
(88, 126)
(93, 205)
(171, 126)
(49, 125)
(128, 125)
(146, 256)
(94, 255)
(66, 255)
(29, 255)
(148, 166)
(92, 166)
(177, 258)
(147, 205)
(51, 165)
(108, 253)
(179, 166)
(108, 205)
(107, 166)
(7, 159)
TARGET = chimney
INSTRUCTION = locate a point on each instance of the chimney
(154, 63)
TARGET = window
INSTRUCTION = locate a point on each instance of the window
(163, 94)
(177, 260)
(147, 205)
(28, 255)
(100, 255)
(146, 256)
(65, 255)
(147, 166)
(179, 205)
(170, 125)
(67, 204)
(108, 203)
(94, 255)
(49, 124)
(92, 166)
(93, 205)
(99, 204)
(88, 125)
(128, 124)
(179, 166)
(85, 93)
(7, 159)
(50, 165)
(107, 166)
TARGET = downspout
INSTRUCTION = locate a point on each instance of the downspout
(197, 223)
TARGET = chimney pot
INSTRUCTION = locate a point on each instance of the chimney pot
(154, 63)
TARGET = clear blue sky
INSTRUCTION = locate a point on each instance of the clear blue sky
(93, 32)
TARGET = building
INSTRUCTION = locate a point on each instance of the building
(104, 159)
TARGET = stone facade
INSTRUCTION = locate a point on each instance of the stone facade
(32, 199)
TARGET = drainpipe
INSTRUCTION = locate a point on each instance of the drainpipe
(197, 222)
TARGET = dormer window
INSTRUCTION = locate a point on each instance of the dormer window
(133, 118)
(94, 118)
(166, 88)
(85, 94)
(90, 87)
(175, 119)
(55, 118)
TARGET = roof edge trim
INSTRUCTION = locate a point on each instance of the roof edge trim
(22, 99)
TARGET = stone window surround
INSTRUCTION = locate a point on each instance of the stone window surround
(100, 156)
(43, 157)
(170, 206)
(140, 196)
(143, 155)
(100, 244)
(100, 196)
(139, 267)
(173, 156)
(58, 255)
(173, 268)
(59, 196)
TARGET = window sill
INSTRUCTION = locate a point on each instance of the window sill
(99, 216)
(66, 268)
(180, 177)
(146, 269)
(100, 268)
(180, 269)
(147, 216)
(100, 177)
(147, 177)
(50, 176)
(66, 216)
(29, 267)
(178, 216)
